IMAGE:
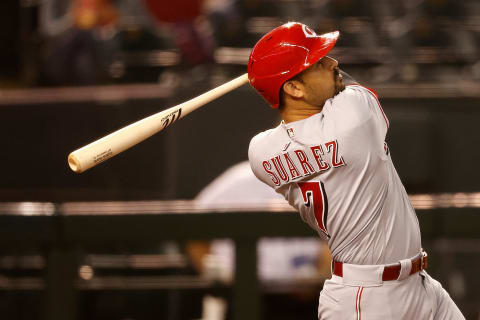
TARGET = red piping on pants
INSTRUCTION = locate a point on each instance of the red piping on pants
(357, 303)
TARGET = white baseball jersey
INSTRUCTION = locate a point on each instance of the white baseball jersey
(335, 169)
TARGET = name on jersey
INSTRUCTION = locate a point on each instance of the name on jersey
(303, 162)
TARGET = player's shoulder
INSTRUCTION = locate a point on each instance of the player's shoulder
(360, 103)
(350, 108)
(262, 138)
(354, 97)
(357, 91)
(265, 142)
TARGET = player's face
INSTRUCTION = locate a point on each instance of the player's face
(322, 81)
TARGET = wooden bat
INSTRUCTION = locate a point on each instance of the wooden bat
(105, 148)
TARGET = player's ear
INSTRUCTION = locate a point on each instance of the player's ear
(293, 88)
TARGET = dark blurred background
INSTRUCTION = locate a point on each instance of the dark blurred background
(73, 71)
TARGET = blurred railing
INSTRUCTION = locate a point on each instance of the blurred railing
(59, 230)
(135, 92)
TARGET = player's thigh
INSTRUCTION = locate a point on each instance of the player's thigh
(331, 304)
(338, 301)
(396, 300)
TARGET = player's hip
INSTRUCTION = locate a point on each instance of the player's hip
(398, 291)
(397, 299)
(394, 291)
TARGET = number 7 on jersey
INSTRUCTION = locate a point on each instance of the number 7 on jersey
(315, 192)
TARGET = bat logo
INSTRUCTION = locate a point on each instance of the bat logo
(171, 118)
(103, 156)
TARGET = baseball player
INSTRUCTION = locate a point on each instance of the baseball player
(329, 159)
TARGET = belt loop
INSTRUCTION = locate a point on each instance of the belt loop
(424, 261)
(405, 268)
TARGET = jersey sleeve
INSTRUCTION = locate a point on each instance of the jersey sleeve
(254, 158)
(355, 106)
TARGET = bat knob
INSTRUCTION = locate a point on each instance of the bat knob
(74, 163)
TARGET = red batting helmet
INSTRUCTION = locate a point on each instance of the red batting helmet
(283, 53)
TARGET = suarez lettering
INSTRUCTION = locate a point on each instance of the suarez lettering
(303, 162)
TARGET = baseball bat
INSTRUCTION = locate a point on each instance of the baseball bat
(105, 148)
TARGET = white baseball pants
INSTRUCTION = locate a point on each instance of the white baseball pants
(359, 295)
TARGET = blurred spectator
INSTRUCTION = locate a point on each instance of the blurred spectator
(92, 13)
(228, 24)
(279, 259)
(189, 28)
(91, 41)
(80, 40)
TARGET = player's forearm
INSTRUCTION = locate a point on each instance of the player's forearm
(347, 79)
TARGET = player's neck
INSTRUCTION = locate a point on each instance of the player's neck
(296, 112)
